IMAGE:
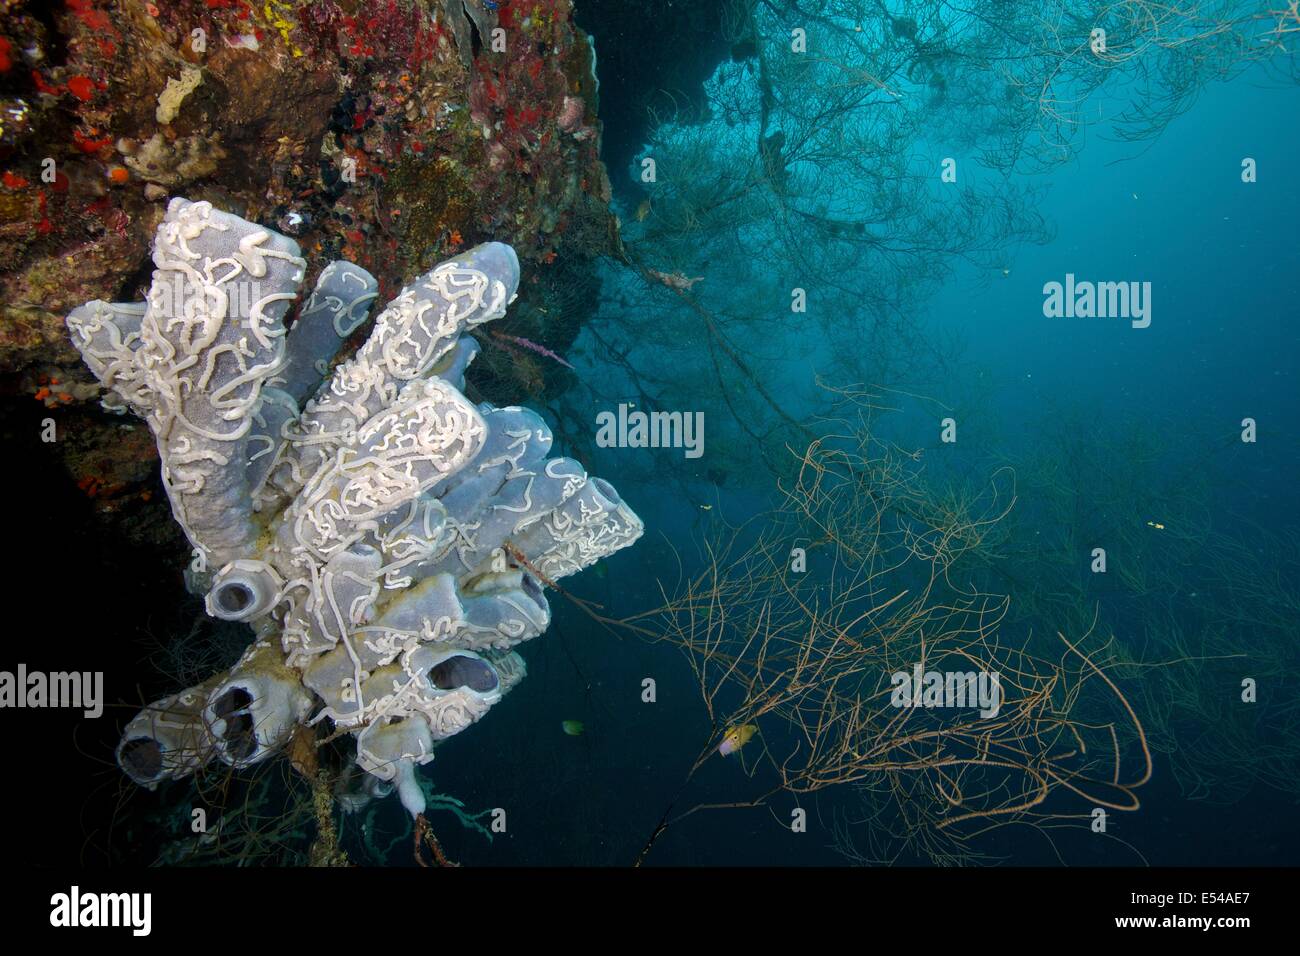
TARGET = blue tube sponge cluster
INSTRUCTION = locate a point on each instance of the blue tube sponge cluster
(388, 541)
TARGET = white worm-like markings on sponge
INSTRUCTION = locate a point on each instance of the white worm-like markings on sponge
(376, 506)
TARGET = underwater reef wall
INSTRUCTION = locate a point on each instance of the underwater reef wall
(391, 133)
(388, 541)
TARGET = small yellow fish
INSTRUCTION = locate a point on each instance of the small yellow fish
(643, 211)
(706, 507)
(1156, 524)
(736, 737)
(573, 728)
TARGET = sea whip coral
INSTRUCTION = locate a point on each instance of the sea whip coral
(383, 536)
(532, 347)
